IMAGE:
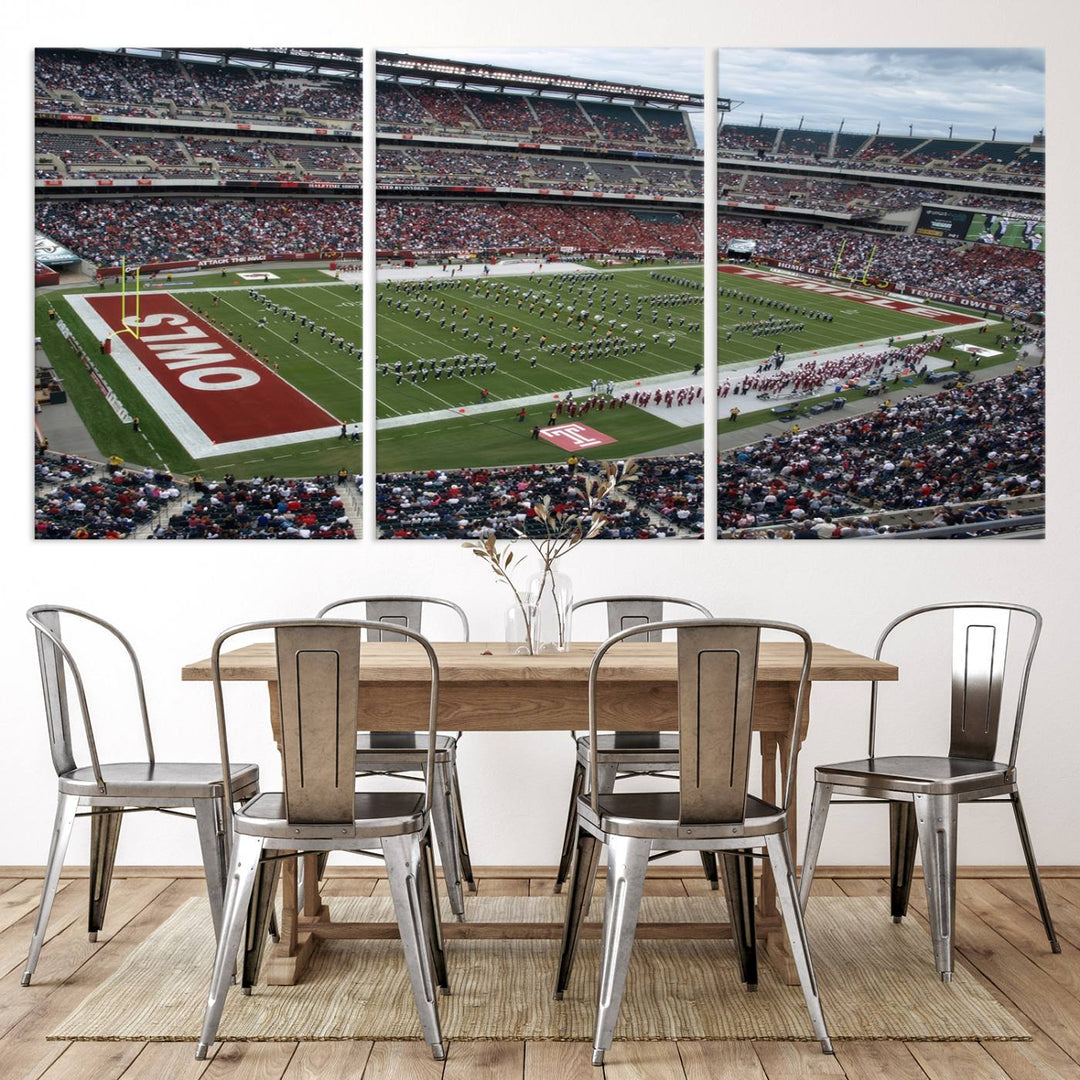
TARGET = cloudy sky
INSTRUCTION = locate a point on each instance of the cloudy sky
(975, 90)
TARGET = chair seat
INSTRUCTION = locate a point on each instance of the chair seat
(399, 745)
(921, 775)
(375, 813)
(655, 815)
(163, 779)
(633, 748)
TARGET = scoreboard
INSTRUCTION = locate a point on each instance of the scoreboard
(944, 221)
(979, 227)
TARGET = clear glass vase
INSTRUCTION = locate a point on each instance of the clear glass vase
(522, 626)
(553, 595)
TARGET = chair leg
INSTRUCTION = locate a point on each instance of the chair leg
(66, 806)
(1033, 871)
(787, 897)
(936, 818)
(566, 859)
(606, 775)
(582, 881)
(442, 821)
(464, 858)
(105, 825)
(259, 913)
(903, 842)
(739, 893)
(815, 830)
(712, 873)
(403, 869)
(244, 863)
(214, 855)
(628, 860)
(428, 891)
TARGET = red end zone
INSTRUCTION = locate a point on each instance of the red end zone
(228, 394)
(837, 292)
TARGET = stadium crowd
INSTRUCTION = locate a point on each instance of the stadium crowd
(473, 502)
(74, 503)
(262, 508)
(107, 507)
(977, 442)
(159, 229)
(1012, 277)
(192, 87)
(156, 228)
(130, 85)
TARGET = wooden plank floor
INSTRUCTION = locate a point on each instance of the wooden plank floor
(998, 935)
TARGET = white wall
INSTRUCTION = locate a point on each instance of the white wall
(173, 598)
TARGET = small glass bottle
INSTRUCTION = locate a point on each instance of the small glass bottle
(522, 624)
(553, 594)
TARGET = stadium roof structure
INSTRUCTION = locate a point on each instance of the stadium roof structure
(460, 74)
(341, 63)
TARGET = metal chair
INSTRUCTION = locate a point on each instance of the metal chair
(924, 793)
(402, 754)
(627, 753)
(318, 663)
(110, 790)
(711, 811)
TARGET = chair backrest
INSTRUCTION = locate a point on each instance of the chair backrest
(980, 640)
(624, 612)
(318, 675)
(717, 678)
(55, 660)
(390, 611)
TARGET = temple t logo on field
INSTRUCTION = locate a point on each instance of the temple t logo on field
(575, 436)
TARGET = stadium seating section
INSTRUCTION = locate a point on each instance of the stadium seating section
(77, 499)
(979, 442)
(663, 500)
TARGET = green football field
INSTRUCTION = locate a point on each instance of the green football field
(427, 428)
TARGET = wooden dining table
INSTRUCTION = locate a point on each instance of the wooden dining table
(485, 687)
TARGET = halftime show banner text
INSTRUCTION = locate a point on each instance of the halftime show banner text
(212, 393)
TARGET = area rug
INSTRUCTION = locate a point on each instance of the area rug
(877, 981)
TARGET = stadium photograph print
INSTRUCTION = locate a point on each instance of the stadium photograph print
(881, 322)
(540, 293)
(540, 289)
(198, 362)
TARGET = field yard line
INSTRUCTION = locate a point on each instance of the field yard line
(334, 311)
(251, 318)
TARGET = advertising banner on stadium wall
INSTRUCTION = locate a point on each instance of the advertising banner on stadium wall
(49, 252)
